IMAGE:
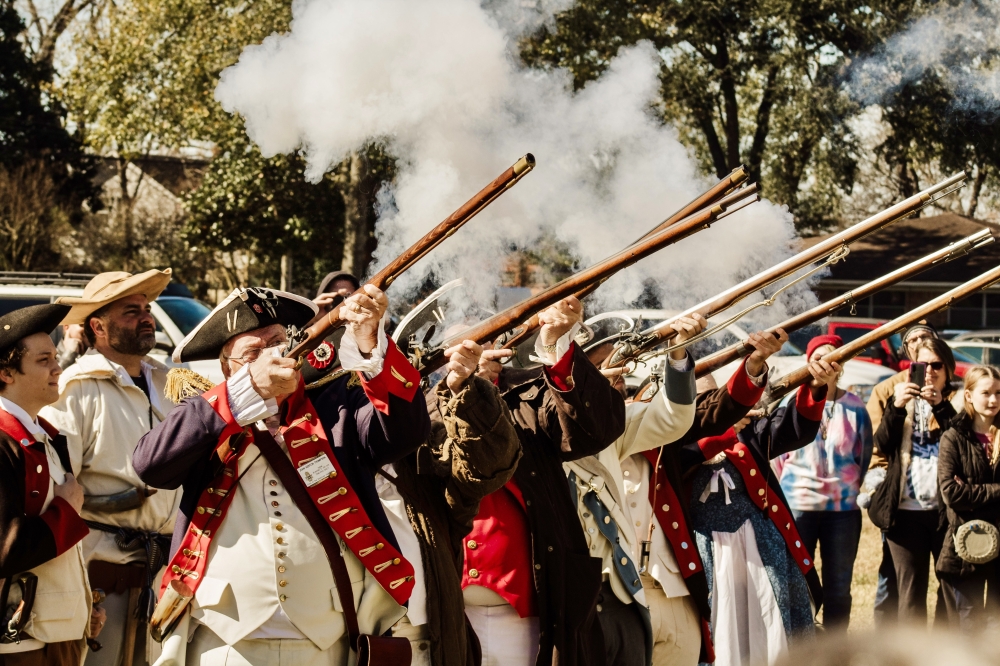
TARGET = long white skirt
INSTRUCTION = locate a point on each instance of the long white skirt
(746, 622)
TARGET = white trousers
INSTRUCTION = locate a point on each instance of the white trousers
(746, 622)
(506, 638)
(420, 645)
(207, 649)
(676, 626)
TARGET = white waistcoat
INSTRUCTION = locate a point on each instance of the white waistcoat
(265, 554)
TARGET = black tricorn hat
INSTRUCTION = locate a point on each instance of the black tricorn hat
(23, 322)
(242, 311)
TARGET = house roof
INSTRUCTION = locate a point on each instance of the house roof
(179, 175)
(911, 239)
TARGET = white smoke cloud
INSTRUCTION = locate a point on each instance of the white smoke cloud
(960, 43)
(438, 81)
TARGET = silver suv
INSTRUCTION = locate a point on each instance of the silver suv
(175, 311)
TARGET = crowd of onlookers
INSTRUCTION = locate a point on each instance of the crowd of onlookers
(922, 458)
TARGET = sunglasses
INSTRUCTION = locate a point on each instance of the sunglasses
(936, 366)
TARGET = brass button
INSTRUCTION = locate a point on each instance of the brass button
(39, 469)
(201, 509)
(282, 598)
(281, 569)
(665, 507)
(538, 566)
(741, 454)
(281, 541)
(753, 472)
(473, 573)
(279, 526)
(472, 544)
(342, 490)
(607, 519)
(282, 583)
(760, 492)
(624, 561)
(774, 508)
(274, 504)
(396, 561)
(281, 555)
(273, 482)
(675, 526)
(409, 384)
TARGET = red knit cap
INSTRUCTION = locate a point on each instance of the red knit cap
(821, 340)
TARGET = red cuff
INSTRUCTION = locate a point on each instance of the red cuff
(561, 374)
(807, 406)
(218, 399)
(397, 378)
(713, 446)
(66, 524)
(742, 389)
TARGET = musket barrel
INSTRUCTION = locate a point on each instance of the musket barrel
(315, 334)
(717, 194)
(953, 251)
(498, 323)
(816, 252)
(786, 384)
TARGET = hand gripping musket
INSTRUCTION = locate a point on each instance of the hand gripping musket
(306, 341)
(429, 361)
(957, 249)
(831, 250)
(723, 188)
(788, 383)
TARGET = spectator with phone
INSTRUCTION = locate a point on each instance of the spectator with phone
(907, 505)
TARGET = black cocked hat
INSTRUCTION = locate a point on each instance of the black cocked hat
(244, 310)
(23, 322)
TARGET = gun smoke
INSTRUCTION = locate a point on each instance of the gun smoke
(440, 83)
(960, 44)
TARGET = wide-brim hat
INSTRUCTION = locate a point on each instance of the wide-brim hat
(333, 277)
(21, 323)
(109, 287)
(244, 310)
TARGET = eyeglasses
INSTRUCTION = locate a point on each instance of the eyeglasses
(936, 366)
(251, 355)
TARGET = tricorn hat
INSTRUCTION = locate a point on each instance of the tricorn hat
(21, 323)
(242, 311)
(107, 287)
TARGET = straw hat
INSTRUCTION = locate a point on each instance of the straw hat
(108, 287)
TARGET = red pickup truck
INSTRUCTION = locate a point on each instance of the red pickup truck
(886, 352)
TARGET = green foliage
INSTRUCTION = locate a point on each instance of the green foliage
(746, 81)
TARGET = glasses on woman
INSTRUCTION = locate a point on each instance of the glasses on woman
(251, 355)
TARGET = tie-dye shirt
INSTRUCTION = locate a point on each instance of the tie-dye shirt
(826, 475)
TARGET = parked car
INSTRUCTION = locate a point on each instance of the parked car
(978, 336)
(175, 315)
(859, 376)
(987, 353)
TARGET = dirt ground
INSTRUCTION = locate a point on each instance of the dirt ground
(866, 578)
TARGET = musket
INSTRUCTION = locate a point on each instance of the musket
(724, 187)
(429, 361)
(832, 249)
(305, 341)
(955, 250)
(786, 384)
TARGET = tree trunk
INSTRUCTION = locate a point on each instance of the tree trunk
(125, 214)
(731, 104)
(355, 218)
(286, 272)
(977, 188)
(763, 124)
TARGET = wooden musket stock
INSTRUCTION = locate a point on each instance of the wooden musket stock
(503, 321)
(957, 249)
(647, 340)
(720, 195)
(316, 333)
(788, 383)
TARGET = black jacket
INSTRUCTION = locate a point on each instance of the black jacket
(977, 497)
(889, 441)
(556, 426)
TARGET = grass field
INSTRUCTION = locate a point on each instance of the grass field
(866, 578)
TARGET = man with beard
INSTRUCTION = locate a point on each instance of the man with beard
(108, 400)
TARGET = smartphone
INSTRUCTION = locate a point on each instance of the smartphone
(918, 371)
